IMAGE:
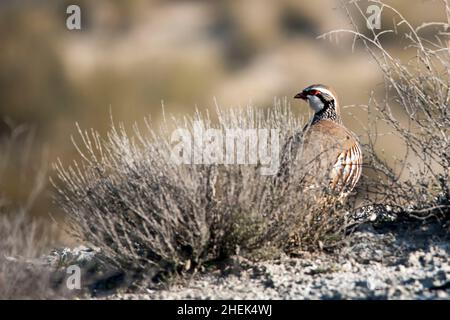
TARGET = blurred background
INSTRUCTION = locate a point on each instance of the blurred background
(132, 56)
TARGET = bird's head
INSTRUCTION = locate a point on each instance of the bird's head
(320, 98)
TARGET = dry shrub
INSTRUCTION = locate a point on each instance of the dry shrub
(146, 212)
(412, 108)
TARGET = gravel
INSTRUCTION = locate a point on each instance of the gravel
(398, 261)
(388, 260)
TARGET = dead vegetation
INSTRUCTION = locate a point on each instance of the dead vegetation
(23, 238)
(152, 217)
(22, 242)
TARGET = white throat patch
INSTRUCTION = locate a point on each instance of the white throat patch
(315, 103)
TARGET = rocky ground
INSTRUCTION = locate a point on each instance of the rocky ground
(392, 259)
(397, 261)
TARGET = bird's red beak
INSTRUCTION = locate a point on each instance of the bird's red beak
(300, 95)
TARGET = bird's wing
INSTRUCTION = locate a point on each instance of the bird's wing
(336, 150)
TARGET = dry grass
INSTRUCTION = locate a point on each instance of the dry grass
(23, 242)
(23, 239)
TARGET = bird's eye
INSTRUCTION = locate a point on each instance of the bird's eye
(314, 92)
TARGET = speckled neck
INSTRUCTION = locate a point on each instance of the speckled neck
(327, 113)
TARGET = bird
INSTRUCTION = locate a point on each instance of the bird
(325, 143)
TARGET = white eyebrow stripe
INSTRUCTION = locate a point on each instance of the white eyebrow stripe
(325, 91)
